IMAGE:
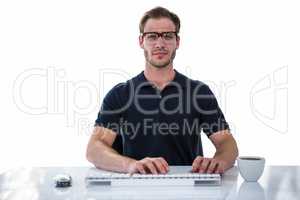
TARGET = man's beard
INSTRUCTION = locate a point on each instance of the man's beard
(160, 65)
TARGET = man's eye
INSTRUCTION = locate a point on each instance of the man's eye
(169, 36)
(152, 36)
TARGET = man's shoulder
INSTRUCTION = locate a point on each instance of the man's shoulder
(123, 88)
(119, 87)
(194, 83)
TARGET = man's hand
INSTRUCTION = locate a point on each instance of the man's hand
(208, 165)
(149, 165)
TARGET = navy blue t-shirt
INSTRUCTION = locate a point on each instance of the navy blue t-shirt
(167, 123)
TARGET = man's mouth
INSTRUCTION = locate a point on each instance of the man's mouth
(160, 53)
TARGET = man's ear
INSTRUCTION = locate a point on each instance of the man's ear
(177, 42)
(141, 42)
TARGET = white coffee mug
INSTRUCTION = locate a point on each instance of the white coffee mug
(251, 167)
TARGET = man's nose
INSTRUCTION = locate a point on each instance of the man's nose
(160, 43)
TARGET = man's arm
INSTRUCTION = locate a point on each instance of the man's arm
(226, 148)
(224, 158)
(103, 156)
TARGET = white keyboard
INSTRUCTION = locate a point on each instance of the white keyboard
(185, 179)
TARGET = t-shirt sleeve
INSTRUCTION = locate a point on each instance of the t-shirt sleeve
(212, 117)
(111, 111)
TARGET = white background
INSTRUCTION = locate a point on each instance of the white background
(59, 58)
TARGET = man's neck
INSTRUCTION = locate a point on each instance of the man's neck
(160, 77)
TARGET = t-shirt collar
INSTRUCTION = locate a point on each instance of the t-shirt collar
(178, 79)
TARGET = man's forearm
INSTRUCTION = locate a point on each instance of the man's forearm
(227, 152)
(105, 157)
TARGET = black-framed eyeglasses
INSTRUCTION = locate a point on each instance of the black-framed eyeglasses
(153, 36)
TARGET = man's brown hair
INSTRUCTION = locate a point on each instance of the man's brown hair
(160, 12)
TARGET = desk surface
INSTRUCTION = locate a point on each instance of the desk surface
(277, 182)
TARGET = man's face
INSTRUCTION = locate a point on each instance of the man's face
(160, 51)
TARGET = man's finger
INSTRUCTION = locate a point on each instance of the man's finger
(140, 168)
(212, 166)
(151, 167)
(159, 166)
(204, 164)
(220, 168)
(197, 163)
(165, 164)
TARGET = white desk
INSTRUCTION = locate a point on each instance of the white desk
(277, 182)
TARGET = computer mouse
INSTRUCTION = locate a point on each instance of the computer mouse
(62, 180)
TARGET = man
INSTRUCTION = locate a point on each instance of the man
(159, 114)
